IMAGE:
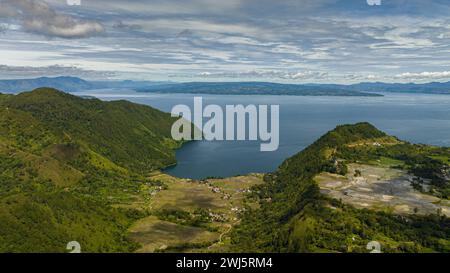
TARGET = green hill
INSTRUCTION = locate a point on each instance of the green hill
(294, 216)
(74, 169)
(69, 84)
(128, 134)
(65, 161)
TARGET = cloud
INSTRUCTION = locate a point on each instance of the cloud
(3, 28)
(38, 17)
(424, 75)
(14, 72)
(124, 26)
(289, 40)
(272, 74)
(185, 33)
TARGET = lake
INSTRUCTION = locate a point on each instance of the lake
(417, 118)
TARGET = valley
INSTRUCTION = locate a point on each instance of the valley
(85, 170)
(219, 201)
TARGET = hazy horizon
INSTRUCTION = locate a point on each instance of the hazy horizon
(216, 81)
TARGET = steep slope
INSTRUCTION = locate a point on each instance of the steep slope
(64, 161)
(295, 217)
(128, 134)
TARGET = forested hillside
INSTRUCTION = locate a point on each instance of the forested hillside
(64, 161)
(296, 217)
(74, 169)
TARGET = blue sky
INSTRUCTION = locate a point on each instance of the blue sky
(296, 41)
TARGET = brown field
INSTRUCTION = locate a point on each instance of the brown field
(381, 188)
(223, 198)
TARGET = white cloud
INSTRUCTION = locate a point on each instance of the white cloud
(38, 17)
(290, 40)
(272, 74)
(11, 72)
(424, 75)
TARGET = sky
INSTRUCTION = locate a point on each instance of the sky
(292, 41)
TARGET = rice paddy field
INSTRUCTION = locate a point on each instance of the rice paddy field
(221, 199)
(381, 187)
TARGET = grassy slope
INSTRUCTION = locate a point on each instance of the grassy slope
(295, 217)
(128, 134)
(66, 163)
(65, 160)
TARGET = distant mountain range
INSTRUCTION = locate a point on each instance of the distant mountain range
(73, 84)
(254, 88)
(424, 88)
(69, 84)
(127, 84)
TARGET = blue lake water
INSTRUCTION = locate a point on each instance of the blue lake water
(415, 118)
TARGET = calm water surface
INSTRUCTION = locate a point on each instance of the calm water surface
(415, 118)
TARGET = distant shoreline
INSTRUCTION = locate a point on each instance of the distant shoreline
(265, 94)
(253, 88)
(367, 89)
